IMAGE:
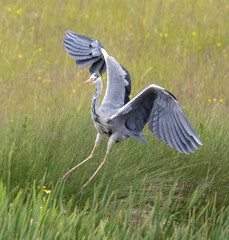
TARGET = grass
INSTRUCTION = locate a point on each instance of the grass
(110, 218)
(143, 191)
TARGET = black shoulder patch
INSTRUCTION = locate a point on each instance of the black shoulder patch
(128, 87)
(96, 75)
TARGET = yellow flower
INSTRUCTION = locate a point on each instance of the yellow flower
(161, 34)
(221, 100)
(209, 100)
(41, 207)
(147, 35)
(39, 49)
(45, 190)
(130, 96)
(130, 26)
(214, 99)
(44, 187)
(38, 187)
(73, 90)
(9, 9)
(166, 35)
(86, 16)
(194, 33)
(48, 191)
(19, 10)
(19, 56)
(39, 78)
(218, 44)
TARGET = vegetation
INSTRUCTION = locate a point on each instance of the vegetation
(143, 191)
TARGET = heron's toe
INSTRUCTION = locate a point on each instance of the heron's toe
(82, 188)
(67, 176)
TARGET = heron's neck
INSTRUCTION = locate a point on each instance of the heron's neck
(96, 97)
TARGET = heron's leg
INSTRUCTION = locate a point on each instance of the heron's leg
(109, 145)
(69, 173)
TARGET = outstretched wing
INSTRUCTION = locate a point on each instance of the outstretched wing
(165, 118)
(88, 51)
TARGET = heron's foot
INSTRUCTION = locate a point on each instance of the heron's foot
(82, 188)
(67, 176)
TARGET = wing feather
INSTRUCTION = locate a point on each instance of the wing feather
(76, 51)
(190, 131)
(165, 118)
(181, 132)
(167, 129)
(96, 66)
(174, 135)
(88, 51)
(154, 121)
(85, 50)
(84, 63)
(80, 57)
(80, 38)
(161, 128)
(74, 44)
(177, 138)
(191, 139)
(102, 70)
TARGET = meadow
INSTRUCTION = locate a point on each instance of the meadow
(143, 191)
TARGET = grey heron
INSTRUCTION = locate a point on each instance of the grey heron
(118, 117)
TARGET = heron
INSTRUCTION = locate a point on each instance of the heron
(119, 117)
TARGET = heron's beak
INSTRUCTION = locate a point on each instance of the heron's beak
(88, 81)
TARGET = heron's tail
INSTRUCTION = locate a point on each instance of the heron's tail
(86, 51)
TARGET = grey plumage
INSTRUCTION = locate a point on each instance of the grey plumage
(127, 87)
(154, 104)
(85, 50)
(118, 117)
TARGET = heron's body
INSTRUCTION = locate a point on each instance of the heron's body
(118, 117)
(103, 124)
(99, 116)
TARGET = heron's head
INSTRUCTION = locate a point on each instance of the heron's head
(94, 79)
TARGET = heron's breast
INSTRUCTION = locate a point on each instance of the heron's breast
(102, 128)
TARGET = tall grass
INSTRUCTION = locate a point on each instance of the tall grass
(143, 191)
(110, 218)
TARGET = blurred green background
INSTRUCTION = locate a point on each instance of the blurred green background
(45, 121)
